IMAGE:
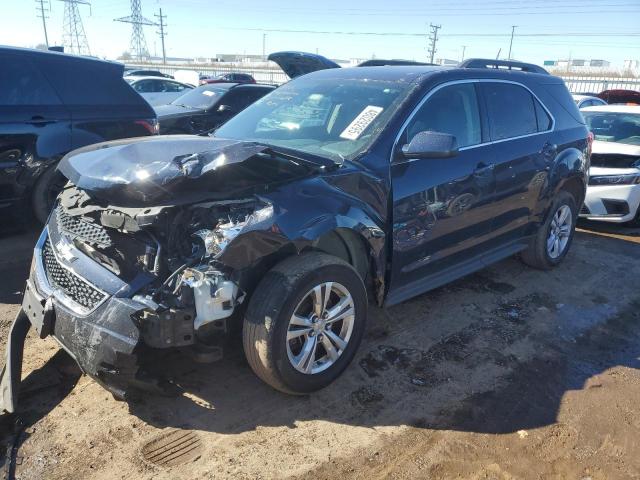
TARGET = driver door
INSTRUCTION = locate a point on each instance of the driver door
(442, 207)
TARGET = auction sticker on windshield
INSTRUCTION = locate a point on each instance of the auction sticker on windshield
(361, 122)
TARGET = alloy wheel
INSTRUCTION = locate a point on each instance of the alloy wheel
(320, 328)
(559, 232)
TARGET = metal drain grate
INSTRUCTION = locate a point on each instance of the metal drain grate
(175, 447)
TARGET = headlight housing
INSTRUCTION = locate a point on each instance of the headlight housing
(217, 239)
(627, 179)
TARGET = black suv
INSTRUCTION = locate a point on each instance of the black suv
(205, 108)
(50, 104)
(340, 187)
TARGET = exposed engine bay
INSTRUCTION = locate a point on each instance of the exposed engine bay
(175, 247)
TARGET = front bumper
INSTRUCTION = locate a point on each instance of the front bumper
(615, 203)
(103, 338)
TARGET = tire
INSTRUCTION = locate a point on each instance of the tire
(286, 289)
(47, 188)
(537, 254)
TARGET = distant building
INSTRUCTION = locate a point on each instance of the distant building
(579, 65)
(446, 61)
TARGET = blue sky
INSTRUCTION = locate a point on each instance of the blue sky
(602, 29)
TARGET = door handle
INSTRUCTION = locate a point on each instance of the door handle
(483, 168)
(40, 120)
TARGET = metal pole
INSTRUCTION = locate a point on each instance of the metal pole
(264, 47)
(464, 47)
(164, 54)
(513, 29)
(44, 23)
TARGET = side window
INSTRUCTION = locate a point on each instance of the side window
(173, 87)
(543, 118)
(22, 84)
(239, 98)
(511, 110)
(84, 82)
(147, 86)
(586, 103)
(453, 110)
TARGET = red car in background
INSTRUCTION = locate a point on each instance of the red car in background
(629, 97)
(227, 78)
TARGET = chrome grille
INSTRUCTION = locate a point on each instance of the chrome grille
(74, 287)
(88, 232)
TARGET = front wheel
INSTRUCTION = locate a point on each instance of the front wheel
(305, 322)
(551, 243)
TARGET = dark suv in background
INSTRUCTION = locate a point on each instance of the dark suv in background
(340, 186)
(50, 104)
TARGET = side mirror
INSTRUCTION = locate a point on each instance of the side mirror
(430, 144)
(225, 109)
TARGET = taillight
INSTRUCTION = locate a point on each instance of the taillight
(589, 143)
(151, 126)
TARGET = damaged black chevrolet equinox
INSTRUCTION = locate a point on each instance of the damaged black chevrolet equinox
(343, 186)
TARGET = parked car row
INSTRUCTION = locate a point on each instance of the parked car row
(341, 187)
(613, 194)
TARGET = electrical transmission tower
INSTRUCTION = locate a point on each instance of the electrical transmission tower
(162, 33)
(40, 6)
(138, 42)
(433, 39)
(73, 36)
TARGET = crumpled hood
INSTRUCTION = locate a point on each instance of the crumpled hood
(173, 169)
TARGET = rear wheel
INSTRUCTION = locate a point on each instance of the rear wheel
(305, 322)
(49, 185)
(552, 241)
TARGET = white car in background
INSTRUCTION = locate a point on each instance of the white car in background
(613, 194)
(158, 90)
(583, 101)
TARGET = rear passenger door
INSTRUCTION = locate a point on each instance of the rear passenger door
(520, 132)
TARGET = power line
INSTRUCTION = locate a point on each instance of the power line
(433, 39)
(138, 44)
(40, 7)
(162, 34)
(74, 39)
(419, 34)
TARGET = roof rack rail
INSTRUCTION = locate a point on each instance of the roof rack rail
(502, 64)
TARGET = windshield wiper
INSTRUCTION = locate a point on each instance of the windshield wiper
(291, 154)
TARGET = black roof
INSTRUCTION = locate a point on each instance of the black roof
(54, 54)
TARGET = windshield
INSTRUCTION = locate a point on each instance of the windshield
(202, 97)
(614, 127)
(336, 118)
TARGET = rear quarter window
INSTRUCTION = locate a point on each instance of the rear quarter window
(82, 82)
(511, 110)
(21, 83)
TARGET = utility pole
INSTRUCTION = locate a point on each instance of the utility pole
(264, 47)
(464, 47)
(513, 29)
(138, 44)
(162, 34)
(73, 36)
(433, 38)
(40, 8)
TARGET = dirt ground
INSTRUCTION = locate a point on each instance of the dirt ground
(508, 373)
